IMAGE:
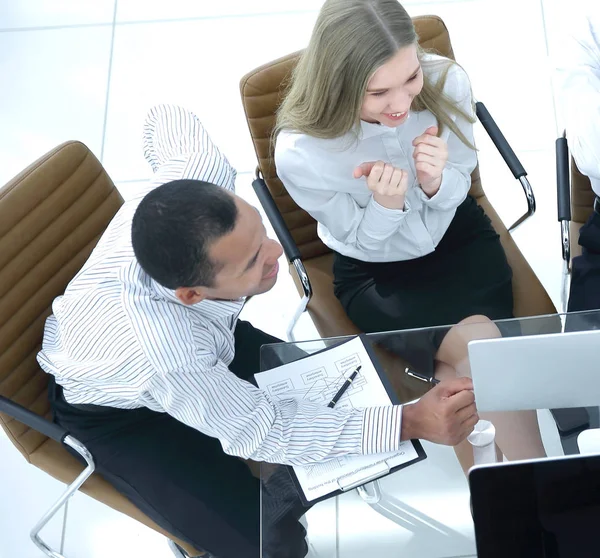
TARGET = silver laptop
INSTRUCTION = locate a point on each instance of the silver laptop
(547, 371)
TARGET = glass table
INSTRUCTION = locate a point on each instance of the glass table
(422, 510)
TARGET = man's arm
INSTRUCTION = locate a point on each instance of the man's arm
(208, 397)
(177, 146)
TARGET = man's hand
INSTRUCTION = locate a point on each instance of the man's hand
(445, 415)
(431, 156)
(387, 183)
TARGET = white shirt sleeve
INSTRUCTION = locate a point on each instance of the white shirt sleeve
(578, 72)
(208, 397)
(364, 228)
(456, 178)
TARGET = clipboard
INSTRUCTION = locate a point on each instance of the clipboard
(375, 470)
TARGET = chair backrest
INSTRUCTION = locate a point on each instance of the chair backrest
(582, 196)
(262, 91)
(51, 217)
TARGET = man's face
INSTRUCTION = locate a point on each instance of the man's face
(246, 260)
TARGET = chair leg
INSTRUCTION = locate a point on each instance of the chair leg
(179, 552)
(370, 492)
(307, 294)
(71, 489)
(298, 312)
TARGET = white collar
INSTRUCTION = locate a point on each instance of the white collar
(222, 308)
(371, 129)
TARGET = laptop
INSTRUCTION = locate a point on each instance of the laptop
(549, 371)
(546, 508)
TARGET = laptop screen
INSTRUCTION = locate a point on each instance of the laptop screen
(545, 508)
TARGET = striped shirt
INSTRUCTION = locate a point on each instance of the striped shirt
(118, 338)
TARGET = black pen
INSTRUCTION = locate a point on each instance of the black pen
(343, 389)
(429, 379)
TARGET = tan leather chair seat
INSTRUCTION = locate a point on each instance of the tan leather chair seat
(51, 217)
(582, 206)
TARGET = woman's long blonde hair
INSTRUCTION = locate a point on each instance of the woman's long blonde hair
(350, 41)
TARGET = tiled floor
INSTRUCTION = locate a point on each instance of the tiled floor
(90, 70)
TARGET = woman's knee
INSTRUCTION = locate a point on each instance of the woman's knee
(477, 326)
(453, 349)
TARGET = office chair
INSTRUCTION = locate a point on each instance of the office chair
(262, 90)
(575, 206)
(51, 217)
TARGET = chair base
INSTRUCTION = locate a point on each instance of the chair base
(62, 501)
(178, 552)
(571, 421)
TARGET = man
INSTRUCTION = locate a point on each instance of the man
(579, 75)
(153, 370)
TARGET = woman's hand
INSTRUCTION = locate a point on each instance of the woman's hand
(387, 183)
(431, 156)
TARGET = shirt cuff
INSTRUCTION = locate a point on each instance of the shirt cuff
(446, 197)
(381, 429)
(440, 195)
(389, 212)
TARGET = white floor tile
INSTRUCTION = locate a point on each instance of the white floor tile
(153, 10)
(506, 62)
(94, 530)
(54, 89)
(424, 510)
(27, 494)
(130, 188)
(197, 64)
(321, 522)
(42, 13)
(425, 513)
(554, 17)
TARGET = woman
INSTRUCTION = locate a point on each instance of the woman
(375, 141)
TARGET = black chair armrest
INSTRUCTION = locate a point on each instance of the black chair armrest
(563, 190)
(563, 179)
(499, 140)
(283, 234)
(510, 159)
(20, 413)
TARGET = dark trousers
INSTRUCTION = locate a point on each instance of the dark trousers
(584, 295)
(181, 478)
(585, 272)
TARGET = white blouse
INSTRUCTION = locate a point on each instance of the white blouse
(318, 175)
(578, 65)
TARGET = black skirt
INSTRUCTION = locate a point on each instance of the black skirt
(467, 274)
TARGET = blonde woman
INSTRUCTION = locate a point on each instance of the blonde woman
(375, 141)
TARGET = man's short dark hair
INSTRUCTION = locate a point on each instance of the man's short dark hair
(174, 227)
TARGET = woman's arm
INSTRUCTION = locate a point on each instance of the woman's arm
(456, 176)
(364, 228)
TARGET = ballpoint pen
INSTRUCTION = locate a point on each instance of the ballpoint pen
(344, 387)
(429, 379)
